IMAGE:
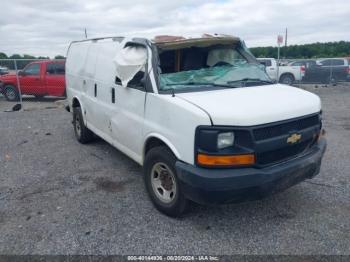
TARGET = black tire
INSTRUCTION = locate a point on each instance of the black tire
(82, 133)
(331, 81)
(287, 79)
(161, 155)
(11, 93)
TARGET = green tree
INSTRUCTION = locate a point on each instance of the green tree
(59, 57)
(16, 56)
(314, 50)
(3, 55)
(25, 56)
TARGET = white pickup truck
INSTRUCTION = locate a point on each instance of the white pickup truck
(199, 114)
(286, 74)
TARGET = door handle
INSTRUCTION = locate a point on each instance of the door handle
(113, 95)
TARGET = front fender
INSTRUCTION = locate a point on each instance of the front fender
(165, 140)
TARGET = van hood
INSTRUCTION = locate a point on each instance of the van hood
(248, 106)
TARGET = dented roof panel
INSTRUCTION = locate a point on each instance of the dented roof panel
(168, 42)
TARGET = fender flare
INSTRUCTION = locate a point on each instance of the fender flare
(164, 140)
(81, 106)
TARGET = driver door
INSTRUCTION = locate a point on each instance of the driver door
(127, 125)
(31, 81)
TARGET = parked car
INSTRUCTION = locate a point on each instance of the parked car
(40, 78)
(339, 68)
(200, 115)
(328, 70)
(286, 74)
(4, 71)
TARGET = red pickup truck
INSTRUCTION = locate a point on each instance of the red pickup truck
(40, 78)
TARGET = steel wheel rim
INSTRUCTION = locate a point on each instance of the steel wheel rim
(163, 183)
(287, 81)
(10, 93)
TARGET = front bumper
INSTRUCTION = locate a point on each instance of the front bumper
(214, 186)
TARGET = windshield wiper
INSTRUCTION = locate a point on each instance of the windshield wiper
(252, 80)
(202, 84)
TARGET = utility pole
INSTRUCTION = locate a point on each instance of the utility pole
(279, 42)
(285, 43)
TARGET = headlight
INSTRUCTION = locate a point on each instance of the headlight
(225, 140)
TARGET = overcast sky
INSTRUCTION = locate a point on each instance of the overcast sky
(44, 27)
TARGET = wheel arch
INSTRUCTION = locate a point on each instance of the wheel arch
(76, 102)
(154, 140)
(287, 74)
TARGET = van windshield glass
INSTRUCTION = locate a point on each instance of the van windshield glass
(217, 67)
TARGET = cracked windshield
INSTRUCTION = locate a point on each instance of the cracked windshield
(218, 66)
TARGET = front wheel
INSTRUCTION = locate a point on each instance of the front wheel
(162, 183)
(11, 93)
(82, 133)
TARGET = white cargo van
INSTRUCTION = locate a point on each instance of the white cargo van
(200, 115)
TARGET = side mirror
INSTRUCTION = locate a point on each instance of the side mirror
(21, 73)
(137, 80)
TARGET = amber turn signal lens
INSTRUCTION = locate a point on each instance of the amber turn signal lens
(233, 160)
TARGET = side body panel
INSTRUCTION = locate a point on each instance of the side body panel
(75, 63)
(174, 121)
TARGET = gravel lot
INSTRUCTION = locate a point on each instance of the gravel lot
(60, 197)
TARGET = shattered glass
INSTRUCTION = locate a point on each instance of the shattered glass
(217, 75)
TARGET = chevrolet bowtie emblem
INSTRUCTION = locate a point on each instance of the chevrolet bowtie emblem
(292, 139)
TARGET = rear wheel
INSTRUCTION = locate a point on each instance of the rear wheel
(82, 133)
(287, 79)
(331, 80)
(162, 183)
(11, 93)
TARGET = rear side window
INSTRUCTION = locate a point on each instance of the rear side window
(265, 62)
(32, 70)
(338, 62)
(55, 69)
(297, 64)
(326, 62)
(333, 62)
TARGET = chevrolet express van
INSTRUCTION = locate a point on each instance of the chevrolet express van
(199, 114)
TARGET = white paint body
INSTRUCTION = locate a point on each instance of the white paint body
(137, 115)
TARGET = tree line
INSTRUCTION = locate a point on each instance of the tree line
(315, 50)
(21, 64)
(25, 56)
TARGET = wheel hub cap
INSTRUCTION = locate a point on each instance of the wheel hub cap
(163, 182)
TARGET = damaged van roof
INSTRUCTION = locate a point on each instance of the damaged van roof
(179, 42)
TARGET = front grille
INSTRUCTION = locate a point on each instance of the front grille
(283, 153)
(282, 150)
(267, 132)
